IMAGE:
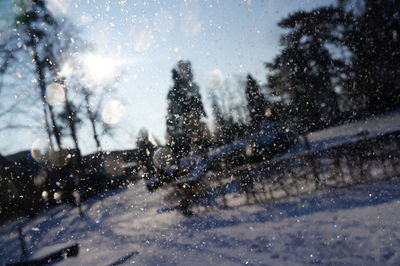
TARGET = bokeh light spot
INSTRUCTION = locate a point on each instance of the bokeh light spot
(45, 195)
(40, 148)
(113, 112)
(55, 94)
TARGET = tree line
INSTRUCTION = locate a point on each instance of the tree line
(337, 63)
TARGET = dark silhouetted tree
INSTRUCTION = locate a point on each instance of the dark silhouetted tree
(256, 102)
(372, 82)
(305, 71)
(338, 62)
(185, 111)
(93, 104)
(70, 120)
(37, 31)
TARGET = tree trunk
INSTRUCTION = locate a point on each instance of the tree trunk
(72, 125)
(42, 86)
(56, 130)
(92, 119)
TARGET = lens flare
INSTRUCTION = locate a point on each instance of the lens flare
(45, 195)
(57, 195)
(40, 178)
(40, 148)
(55, 94)
(162, 157)
(113, 112)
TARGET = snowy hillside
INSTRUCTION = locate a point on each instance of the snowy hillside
(353, 226)
(366, 128)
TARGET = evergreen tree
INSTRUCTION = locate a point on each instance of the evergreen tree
(185, 110)
(306, 70)
(338, 62)
(256, 103)
(372, 80)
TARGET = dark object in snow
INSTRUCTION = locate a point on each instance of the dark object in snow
(124, 259)
(22, 242)
(71, 251)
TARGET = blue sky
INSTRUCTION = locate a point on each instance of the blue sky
(222, 39)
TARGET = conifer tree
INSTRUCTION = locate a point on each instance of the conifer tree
(305, 70)
(185, 110)
(256, 103)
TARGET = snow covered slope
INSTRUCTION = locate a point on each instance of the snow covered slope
(353, 226)
(369, 127)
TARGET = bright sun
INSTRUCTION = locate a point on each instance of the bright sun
(99, 70)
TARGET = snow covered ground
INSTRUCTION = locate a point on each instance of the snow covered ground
(372, 126)
(352, 226)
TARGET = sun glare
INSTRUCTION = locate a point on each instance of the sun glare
(99, 70)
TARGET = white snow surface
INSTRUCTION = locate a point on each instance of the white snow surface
(372, 126)
(349, 226)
